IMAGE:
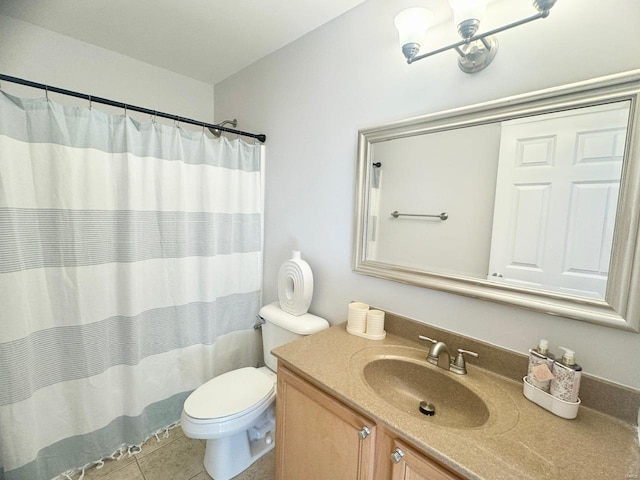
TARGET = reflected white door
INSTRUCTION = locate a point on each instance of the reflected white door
(556, 198)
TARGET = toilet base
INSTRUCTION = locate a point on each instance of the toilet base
(228, 456)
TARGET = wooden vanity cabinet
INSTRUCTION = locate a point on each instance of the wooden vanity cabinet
(319, 438)
(407, 464)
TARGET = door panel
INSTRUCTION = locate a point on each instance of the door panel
(556, 199)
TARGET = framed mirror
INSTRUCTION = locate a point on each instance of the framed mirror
(531, 200)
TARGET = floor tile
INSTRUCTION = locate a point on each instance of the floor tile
(152, 444)
(201, 476)
(110, 466)
(263, 469)
(130, 472)
(180, 459)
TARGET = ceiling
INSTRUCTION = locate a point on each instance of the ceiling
(208, 40)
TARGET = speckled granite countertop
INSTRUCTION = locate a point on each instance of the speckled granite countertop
(520, 440)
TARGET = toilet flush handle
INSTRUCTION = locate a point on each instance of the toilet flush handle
(258, 325)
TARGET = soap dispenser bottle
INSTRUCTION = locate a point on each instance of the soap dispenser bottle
(538, 356)
(566, 377)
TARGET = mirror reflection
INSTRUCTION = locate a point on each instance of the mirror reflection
(529, 202)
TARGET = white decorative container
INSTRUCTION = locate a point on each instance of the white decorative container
(357, 317)
(358, 322)
(568, 410)
(375, 322)
(295, 285)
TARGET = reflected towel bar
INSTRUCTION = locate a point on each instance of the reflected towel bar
(442, 216)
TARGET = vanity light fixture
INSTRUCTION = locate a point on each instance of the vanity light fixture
(476, 50)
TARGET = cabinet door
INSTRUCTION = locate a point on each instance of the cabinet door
(317, 437)
(407, 464)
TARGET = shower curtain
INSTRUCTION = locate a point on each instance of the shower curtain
(130, 273)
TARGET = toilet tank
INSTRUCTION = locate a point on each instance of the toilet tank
(281, 327)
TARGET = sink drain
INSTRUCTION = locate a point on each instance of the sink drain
(428, 409)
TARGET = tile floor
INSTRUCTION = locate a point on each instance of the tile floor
(174, 458)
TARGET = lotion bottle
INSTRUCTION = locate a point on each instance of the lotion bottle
(537, 356)
(566, 377)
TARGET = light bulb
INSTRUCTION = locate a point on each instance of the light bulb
(412, 25)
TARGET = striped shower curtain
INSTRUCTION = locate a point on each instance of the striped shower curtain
(130, 273)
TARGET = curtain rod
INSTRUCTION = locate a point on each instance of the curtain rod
(259, 136)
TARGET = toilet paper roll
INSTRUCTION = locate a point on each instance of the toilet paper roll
(295, 285)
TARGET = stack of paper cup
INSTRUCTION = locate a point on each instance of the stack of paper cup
(375, 322)
(357, 319)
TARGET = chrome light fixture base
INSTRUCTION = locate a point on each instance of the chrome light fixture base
(543, 5)
(468, 28)
(410, 50)
(477, 55)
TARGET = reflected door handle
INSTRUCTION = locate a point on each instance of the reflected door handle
(496, 274)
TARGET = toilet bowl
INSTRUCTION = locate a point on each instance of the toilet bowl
(235, 412)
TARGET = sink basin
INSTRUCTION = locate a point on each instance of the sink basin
(405, 382)
(394, 379)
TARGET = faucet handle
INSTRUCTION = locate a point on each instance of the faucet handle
(461, 351)
(460, 366)
(422, 337)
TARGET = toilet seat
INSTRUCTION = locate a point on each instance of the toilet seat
(230, 395)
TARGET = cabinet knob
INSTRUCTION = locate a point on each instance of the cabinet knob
(364, 432)
(397, 455)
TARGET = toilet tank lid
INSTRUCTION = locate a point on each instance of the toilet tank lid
(304, 324)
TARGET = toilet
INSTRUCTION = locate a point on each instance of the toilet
(235, 412)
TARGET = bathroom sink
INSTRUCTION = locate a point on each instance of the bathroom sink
(405, 382)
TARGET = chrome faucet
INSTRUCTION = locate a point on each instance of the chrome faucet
(436, 352)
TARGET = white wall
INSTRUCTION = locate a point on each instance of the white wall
(39, 55)
(453, 172)
(312, 96)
